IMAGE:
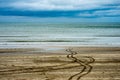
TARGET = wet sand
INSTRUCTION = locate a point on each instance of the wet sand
(68, 63)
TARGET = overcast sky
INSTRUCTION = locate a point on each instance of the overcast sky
(59, 10)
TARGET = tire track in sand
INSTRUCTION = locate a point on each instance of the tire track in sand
(85, 64)
(87, 68)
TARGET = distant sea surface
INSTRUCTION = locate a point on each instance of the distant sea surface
(24, 35)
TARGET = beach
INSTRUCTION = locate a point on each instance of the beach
(59, 51)
(59, 39)
(60, 63)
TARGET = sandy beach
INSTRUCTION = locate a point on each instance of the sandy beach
(66, 63)
(59, 39)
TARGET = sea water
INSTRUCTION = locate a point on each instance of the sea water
(24, 35)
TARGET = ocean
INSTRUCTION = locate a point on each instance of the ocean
(32, 35)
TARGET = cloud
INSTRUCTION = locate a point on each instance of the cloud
(101, 13)
(61, 4)
(84, 9)
(108, 13)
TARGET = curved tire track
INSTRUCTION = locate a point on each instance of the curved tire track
(86, 64)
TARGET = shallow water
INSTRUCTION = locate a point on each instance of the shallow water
(15, 35)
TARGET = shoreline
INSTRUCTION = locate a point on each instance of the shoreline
(53, 46)
(56, 49)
